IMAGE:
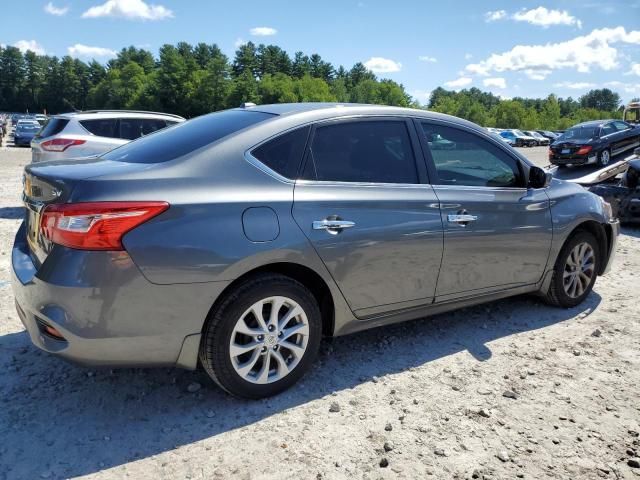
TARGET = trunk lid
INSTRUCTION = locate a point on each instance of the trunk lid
(53, 182)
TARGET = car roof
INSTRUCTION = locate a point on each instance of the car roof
(594, 123)
(93, 114)
(332, 109)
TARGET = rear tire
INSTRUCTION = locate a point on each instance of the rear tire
(252, 353)
(604, 158)
(574, 272)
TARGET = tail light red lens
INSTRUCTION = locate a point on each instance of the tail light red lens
(97, 225)
(584, 150)
(60, 144)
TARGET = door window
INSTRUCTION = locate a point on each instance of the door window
(463, 158)
(102, 127)
(620, 126)
(608, 129)
(375, 151)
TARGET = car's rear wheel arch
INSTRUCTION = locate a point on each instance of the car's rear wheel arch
(302, 274)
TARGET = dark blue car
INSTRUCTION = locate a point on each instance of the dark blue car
(24, 133)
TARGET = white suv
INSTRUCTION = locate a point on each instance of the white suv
(90, 133)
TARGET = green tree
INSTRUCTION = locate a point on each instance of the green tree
(602, 99)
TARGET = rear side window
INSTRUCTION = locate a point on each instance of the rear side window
(132, 128)
(53, 127)
(375, 151)
(284, 153)
(186, 137)
(102, 127)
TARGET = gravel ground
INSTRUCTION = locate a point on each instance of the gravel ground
(512, 389)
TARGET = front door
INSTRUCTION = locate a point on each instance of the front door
(369, 214)
(497, 233)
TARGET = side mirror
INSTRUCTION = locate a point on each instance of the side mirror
(538, 178)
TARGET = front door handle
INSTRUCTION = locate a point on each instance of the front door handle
(461, 218)
(332, 226)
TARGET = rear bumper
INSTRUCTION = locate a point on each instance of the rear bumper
(107, 312)
(556, 159)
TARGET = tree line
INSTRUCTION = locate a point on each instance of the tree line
(551, 113)
(192, 80)
(184, 79)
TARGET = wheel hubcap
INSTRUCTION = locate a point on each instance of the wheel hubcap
(269, 340)
(605, 157)
(579, 270)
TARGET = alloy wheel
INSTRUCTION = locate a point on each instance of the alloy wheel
(579, 270)
(605, 157)
(269, 340)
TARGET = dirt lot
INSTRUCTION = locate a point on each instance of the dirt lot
(513, 389)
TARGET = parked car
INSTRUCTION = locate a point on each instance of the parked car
(518, 138)
(86, 134)
(594, 142)
(548, 134)
(237, 239)
(24, 133)
(540, 139)
(41, 118)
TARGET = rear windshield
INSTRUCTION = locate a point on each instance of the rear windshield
(53, 127)
(28, 127)
(582, 133)
(186, 137)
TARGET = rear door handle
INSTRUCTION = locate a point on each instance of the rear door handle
(332, 226)
(462, 219)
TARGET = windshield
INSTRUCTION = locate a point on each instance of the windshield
(520, 133)
(585, 132)
(184, 138)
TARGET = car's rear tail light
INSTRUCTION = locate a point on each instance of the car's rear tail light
(584, 150)
(96, 225)
(60, 144)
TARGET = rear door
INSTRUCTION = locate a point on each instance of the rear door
(497, 233)
(365, 205)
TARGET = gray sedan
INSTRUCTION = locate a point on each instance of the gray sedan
(238, 239)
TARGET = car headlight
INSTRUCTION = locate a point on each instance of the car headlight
(606, 208)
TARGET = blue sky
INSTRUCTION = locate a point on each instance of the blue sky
(530, 49)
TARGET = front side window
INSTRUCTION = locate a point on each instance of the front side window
(464, 158)
(372, 151)
(283, 154)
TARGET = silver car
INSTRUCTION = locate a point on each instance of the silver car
(238, 239)
(90, 133)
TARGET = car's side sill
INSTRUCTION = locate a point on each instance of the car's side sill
(433, 309)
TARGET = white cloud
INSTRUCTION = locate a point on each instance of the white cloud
(428, 59)
(26, 45)
(458, 83)
(468, 56)
(537, 74)
(421, 95)
(545, 18)
(595, 49)
(635, 69)
(574, 85)
(263, 31)
(495, 15)
(382, 65)
(632, 88)
(128, 9)
(51, 9)
(79, 50)
(239, 41)
(497, 82)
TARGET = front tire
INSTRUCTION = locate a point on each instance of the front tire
(262, 337)
(575, 271)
